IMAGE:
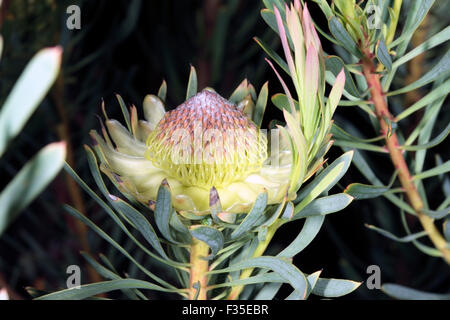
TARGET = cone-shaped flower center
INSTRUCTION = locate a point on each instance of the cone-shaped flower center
(207, 141)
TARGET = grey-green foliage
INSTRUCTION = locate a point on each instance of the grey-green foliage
(25, 97)
(232, 243)
(416, 137)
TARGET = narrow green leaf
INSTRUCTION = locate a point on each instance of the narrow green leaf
(252, 217)
(140, 223)
(440, 37)
(391, 236)
(440, 169)
(211, 236)
(440, 70)
(96, 174)
(416, 13)
(240, 92)
(432, 143)
(433, 95)
(383, 55)
(341, 134)
(360, 146)
(333, 288)
(446, 227)
(75, 213)
(312, 280)
(30, 181)
(28, 92)
(340, 34)
(286, 270)
(163, 211)
(324, 206)
(281, 101)
(309, 231)
(272, 54)
(261, 105)
(334, 64)
(325, 180)
(364, 191)
(405, 293)
(93, 289)
(108, 274)
(268, 291)
(437, 214)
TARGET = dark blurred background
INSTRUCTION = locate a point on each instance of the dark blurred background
(129, 48)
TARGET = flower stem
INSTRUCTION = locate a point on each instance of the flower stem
(262, 246)
(199, 269)
(383, 114)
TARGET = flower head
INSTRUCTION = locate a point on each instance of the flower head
(207, 144)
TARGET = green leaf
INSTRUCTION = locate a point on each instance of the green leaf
(240, 92)
(261, 105)
(325, 7)
(440, 169)
(360, 146)
(446, 227)
(93, 289)
(333, 288)
(28, 92)
(75, 213)
(108, 274)
(364, 191)
(140, 223)
(252, 217)
(268, 291)
(423, 248)
(309, 231)
(273, 218)
(324, 206)
(312, 280)
(367, 172)
(269, 17)
(440, 70)
(163, 211)
(192, 84)
(334, 64)
(433, 95)
(341, 134)
(437, 214)
(325, 180)
(440, 37)
(286, 270)
(211, 236)
(387, 234)
(404, 293)
(272, 54)
(434, 142)
(281, 101)
(383, 55)
(30, 181)
(97, 177)
(340, 34)
(416, 13)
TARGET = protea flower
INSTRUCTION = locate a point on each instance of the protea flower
(206, 145)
